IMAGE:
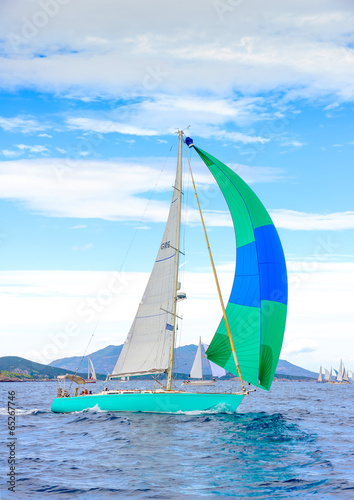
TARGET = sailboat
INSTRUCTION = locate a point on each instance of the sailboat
(320, 378)
(342, 377)
(91, 374)
(345, 376)
(328, 375)
(249, 337)
(196, 373)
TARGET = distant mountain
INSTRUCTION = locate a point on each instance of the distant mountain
(286, 368)
(105, 359)
(21, 368)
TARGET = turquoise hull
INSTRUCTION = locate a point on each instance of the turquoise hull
(172, 402)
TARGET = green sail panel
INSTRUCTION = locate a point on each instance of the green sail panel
(256, 309)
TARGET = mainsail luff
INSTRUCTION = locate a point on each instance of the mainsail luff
(147, 349)
(178, 187)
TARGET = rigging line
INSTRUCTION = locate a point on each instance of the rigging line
(147, 206)
(127, 253)
(216, 278)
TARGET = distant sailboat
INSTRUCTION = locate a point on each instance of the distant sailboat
(328, 376)
(91, 374)
(320, 377)
(196, 372)
(342, 377)
(249, 337)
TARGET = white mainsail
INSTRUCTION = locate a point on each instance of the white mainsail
(330, 376)
(147, 348)
(320, 375)
(326, 375)
(345, 375)
(197, 369)
(340, 372)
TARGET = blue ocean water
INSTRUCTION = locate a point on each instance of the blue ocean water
(297, 441)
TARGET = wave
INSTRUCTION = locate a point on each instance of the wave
(220, 408)
(18, 411)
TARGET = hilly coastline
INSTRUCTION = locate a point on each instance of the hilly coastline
(14, 368)
(105, 359)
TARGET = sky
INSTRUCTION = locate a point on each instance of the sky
(91, 96)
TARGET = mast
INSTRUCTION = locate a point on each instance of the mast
(178, 189)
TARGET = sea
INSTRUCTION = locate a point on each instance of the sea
(294, 442)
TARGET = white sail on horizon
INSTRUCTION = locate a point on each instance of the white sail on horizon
(91, 370)
(197, 368)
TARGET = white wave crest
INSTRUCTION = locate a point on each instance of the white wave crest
(31, 411)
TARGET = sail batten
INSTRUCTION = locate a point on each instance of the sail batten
(256, 310)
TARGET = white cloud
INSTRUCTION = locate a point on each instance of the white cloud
(21, 124)
(83, 248)
(32, 149)
(334, 105)
(10, 154)
(299, 346)
(105, 55)
(112, 190)
(319, 310)
(107, 127)
(290, 219)
(77, 188)
(293, 143)
(45, 135)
